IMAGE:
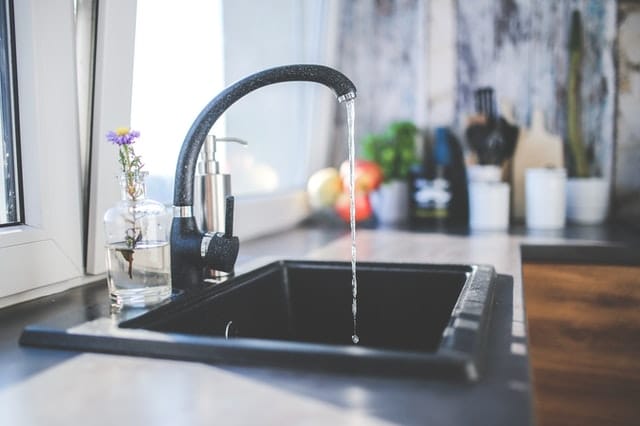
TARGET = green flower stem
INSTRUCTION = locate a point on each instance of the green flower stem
(131, 166)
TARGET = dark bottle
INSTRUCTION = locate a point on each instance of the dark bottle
(428, 197)
(437, 188)
(456, 174)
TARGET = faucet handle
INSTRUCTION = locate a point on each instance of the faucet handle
(228, 216)
(219, 252)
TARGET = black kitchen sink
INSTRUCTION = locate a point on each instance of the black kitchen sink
(418, 319)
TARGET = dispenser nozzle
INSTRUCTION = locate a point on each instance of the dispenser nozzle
(211, 164)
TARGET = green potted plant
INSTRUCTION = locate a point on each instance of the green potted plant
(395, 152)
(587, 194)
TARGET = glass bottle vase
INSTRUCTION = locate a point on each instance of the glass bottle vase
(137, 246)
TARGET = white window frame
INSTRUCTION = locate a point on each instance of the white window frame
(113, 80)
(45, 253)
(112, 96)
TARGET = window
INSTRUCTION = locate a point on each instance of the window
(175, 74)
(41, 241)
(287, 126)
(211, 45)
(9, 197)
(46, 247)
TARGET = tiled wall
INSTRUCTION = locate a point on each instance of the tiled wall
(422, 59)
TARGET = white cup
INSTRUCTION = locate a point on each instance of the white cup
(489, 206)
(545, 198)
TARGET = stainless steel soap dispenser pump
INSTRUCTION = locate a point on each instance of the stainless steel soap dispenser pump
(212, 189)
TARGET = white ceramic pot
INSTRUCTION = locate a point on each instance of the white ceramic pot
(488, 198)
(390, 202)
(489, 206)
(545, 204)
(587, 200)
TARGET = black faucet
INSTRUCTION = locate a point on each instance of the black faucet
(192, 250)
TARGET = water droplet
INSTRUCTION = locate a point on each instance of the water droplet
(355, 339)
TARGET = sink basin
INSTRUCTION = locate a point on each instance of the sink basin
(417, 319)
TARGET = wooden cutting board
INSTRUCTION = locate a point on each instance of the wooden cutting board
(535, 148)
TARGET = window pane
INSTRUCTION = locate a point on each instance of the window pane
(177, 71)
(9, 206)
(277, 120)
(186, 55)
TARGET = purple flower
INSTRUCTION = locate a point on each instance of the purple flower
(123, 136)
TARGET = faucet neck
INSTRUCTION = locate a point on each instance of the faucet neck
(188, 158)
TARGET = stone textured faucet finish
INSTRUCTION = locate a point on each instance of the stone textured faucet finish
(192, 250)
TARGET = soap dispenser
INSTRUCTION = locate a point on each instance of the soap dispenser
(211, 191)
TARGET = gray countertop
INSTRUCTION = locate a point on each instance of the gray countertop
(39, 386)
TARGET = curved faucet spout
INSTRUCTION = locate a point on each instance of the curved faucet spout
(185, 169)
(191, 250)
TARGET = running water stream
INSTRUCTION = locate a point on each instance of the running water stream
(350, 105)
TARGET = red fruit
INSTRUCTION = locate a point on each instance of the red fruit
(367, 175)
(363, 207)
